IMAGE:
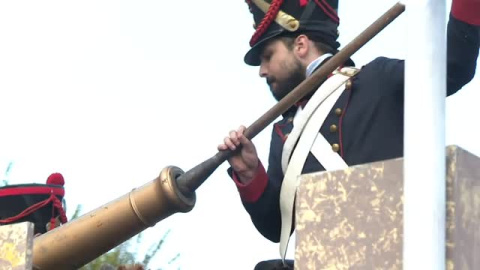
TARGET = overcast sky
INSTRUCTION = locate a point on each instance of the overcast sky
(111, 92)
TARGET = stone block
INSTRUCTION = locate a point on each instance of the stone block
(16, 243)
(353, 219)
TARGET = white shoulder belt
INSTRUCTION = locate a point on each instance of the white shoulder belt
(307, 138)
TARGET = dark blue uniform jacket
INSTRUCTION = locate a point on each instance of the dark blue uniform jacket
(367, 119)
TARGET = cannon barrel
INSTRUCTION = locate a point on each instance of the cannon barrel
(82, 240)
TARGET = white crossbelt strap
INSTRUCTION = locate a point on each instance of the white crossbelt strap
(307, 123)
(301, 118)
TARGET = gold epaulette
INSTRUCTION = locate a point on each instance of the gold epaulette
(347, 71)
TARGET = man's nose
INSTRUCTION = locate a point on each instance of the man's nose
(262, 71)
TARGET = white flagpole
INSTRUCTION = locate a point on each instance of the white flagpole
(424, 145)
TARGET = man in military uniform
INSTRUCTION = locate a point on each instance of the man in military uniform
(41, 204)
(359, 113)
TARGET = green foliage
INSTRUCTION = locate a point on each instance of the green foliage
(125, 253)
(116, 257)
(6, 174)
(77, 212)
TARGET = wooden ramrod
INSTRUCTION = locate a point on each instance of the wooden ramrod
(82, 240)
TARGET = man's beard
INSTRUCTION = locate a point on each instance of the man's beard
(286, 85)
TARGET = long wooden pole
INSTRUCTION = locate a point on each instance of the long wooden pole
(192, 179)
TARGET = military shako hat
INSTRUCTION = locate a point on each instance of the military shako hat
(41, 204)
(317, 19)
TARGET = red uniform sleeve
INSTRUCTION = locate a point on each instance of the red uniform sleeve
(252, 191)
(467, 11)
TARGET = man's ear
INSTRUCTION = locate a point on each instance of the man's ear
(301, 46)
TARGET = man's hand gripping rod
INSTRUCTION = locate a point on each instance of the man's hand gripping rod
(192, 179)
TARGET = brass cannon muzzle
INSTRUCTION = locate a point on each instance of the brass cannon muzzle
(82, 240)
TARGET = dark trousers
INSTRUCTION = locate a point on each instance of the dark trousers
(274, 265)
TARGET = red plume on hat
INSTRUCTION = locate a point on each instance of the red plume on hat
(56, 179)
(317, 19)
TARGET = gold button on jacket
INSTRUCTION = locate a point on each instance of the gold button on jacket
(335, 147)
